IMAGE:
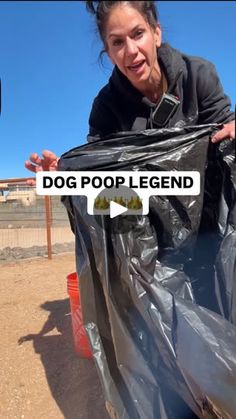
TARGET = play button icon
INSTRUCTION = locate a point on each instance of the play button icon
(116, 209)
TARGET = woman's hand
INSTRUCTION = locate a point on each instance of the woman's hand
(227, 132)
(48, 161)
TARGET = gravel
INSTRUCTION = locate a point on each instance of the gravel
(10, 254)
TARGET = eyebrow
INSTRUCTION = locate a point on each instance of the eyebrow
(132, 30)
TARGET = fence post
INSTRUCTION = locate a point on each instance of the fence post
(48, 225)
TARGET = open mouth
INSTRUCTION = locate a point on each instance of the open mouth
(137, 66)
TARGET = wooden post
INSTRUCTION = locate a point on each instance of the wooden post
(48, 225)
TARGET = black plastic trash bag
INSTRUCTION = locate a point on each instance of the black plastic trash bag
(159, 300)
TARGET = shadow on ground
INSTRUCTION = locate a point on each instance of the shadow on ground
(73, 381)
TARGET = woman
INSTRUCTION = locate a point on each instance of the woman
(144, 70)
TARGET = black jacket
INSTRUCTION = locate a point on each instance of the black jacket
(120, 107)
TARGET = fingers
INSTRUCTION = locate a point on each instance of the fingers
(220, 135)
(47, 154)
(34, 158)
(34, 162)
(32, 167)
(48, 161)
(227, 132)
(31, 182)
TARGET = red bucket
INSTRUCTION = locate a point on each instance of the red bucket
(81, 342)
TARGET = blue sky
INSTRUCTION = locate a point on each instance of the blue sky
(50, 71)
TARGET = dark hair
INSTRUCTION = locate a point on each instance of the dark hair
(101, 10)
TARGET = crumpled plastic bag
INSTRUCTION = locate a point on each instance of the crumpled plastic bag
(159, 300)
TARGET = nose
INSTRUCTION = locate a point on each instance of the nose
(130, 47)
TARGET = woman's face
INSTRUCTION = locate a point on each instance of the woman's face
(131, 44)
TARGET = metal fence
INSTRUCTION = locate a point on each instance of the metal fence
(31, 225)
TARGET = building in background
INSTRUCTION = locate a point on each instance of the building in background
(17, 191)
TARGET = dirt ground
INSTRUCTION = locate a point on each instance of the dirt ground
(41, 377)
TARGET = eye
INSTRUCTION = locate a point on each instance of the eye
(117, 42)
(138, 34)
